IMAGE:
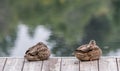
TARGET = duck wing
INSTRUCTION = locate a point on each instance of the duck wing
(83, 48)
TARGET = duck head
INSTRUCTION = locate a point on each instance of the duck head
(91, 44)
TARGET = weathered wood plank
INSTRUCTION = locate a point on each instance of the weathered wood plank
(58, 64)
(53, 64)
(107, 64)
(2, 63)
(32, 66)
(13, 64)
(70, 64)
(118, 63)
(89, 65)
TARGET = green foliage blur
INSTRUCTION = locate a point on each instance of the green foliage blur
(72, 22)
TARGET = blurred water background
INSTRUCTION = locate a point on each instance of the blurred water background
(63, 25)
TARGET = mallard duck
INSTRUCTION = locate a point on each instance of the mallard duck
(38, 52)
(88, 52)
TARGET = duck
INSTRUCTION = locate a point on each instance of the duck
(88, 52)
(38, 52)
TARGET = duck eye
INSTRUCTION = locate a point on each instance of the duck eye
(90, 50)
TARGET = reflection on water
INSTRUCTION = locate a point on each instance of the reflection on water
(24, 40)
(113, 53)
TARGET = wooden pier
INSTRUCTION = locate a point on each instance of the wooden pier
(60, 64)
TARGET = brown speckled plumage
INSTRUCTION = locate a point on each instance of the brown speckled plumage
(88, 52)
(38, 52)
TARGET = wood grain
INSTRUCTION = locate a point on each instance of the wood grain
(89, 65)
(118, 64)
(32, 66)
(70, 64)
(60, 64)
(13, 64)
(2, 63)
(53, 64)
(107, 64)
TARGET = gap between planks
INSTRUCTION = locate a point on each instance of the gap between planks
(63, 64)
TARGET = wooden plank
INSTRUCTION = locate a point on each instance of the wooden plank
(2, 63)
(13, 64)
(118, 63)
(56, 64)
(53, 64)
(107, 64)
(89, 65)
(70, 64)
(32, 66)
